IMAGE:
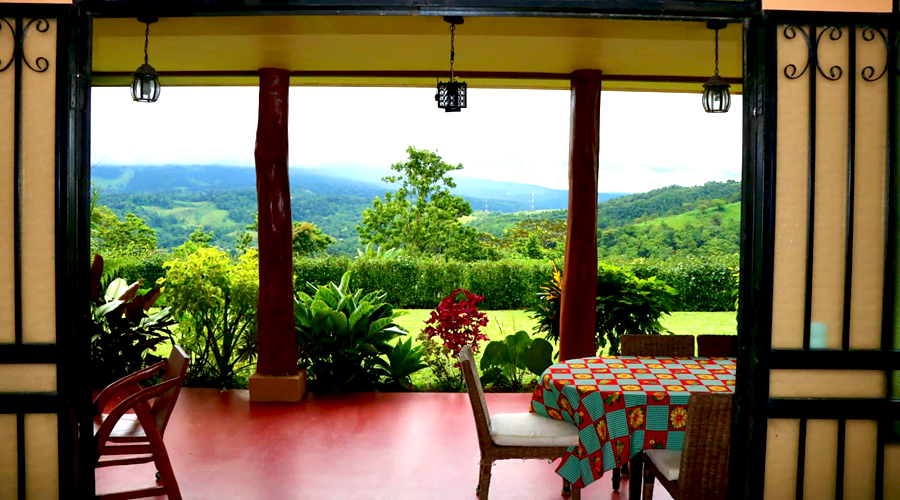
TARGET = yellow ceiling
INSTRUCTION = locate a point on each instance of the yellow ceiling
(415, 44)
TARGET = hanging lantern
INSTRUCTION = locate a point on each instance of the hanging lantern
(145, 80)
(716, 97)
(451, 95)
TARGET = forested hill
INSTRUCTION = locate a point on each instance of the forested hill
(671, 200)
(628, 209)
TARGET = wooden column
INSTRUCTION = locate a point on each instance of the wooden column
(579, 287)
(276, 377)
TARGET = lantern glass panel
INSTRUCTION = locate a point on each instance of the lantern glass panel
(145, 88)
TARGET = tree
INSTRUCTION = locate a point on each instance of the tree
(308, 239)
(535, 238)
(120, 238)
(421, 215)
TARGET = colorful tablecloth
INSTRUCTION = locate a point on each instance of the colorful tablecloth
(623, 405)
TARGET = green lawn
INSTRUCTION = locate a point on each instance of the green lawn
(503, 323)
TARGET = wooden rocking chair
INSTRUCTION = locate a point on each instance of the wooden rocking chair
(138, 438)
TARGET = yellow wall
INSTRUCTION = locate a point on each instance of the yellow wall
(416, 43)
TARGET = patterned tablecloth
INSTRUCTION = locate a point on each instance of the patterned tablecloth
(623, 405)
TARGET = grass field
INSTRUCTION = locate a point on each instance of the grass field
(731, 212)
(503, 323)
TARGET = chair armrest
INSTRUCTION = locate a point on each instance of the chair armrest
(112, 389)
(131, 402)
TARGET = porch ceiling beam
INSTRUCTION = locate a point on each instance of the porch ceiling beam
(634, 9)
(493, 75)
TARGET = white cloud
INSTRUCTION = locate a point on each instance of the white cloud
(647, 140)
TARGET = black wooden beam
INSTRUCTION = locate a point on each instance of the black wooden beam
(653, 9)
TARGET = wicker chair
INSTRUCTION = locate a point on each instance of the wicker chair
(651, 345)
(513, 435)
(717, 345)
(657, 345)
(700, 470)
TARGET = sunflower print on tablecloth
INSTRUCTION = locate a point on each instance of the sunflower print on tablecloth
(678, 417)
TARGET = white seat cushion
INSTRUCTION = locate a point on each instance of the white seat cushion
(531, 429)
(667, 461)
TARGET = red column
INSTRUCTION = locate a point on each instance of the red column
(579, 287)
(277, 347)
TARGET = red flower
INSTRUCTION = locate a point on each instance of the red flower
(458, 322)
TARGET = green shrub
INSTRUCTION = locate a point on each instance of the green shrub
(319, 270)
(342, 337)
(626, 304)
(213, 297)
(506, 362)
(703, 284)
(123, 329)
(148, 267)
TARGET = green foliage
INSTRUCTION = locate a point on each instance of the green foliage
(703, 283)
(342, 336)
(546, 310)
(308, 239)
(405, 360)
(148, 267)
(421, 282)
(214, 298)
(378, 252)
(626, 304)
(123, 329)
(421, 215)
(129, 237)
(506, 362)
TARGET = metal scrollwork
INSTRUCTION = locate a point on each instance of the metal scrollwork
(869, 34)
(790, 71)
(12, 32)
(41, 64)
(41, 25)
(835, 72)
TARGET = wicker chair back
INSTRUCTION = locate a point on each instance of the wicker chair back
(657, 345)
(704, 457)
(476, 397)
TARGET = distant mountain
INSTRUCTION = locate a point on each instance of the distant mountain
(501, 196)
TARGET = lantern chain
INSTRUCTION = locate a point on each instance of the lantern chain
(146, 42)
(717, 52)
(452, 50)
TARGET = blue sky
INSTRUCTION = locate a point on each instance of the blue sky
(647, 140)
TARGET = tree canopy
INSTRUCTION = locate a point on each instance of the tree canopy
(421, 215)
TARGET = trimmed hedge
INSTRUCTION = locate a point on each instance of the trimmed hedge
(703, 284)
(149, 267)
(422, 283)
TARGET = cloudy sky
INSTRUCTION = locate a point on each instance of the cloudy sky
(647, 140)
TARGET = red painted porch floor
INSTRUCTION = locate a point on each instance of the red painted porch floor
(357, 446)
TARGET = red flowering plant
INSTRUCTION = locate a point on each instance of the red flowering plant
(456, 322)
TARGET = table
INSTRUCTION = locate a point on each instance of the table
(623, 405)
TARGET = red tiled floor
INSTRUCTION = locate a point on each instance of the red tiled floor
(357, 446)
